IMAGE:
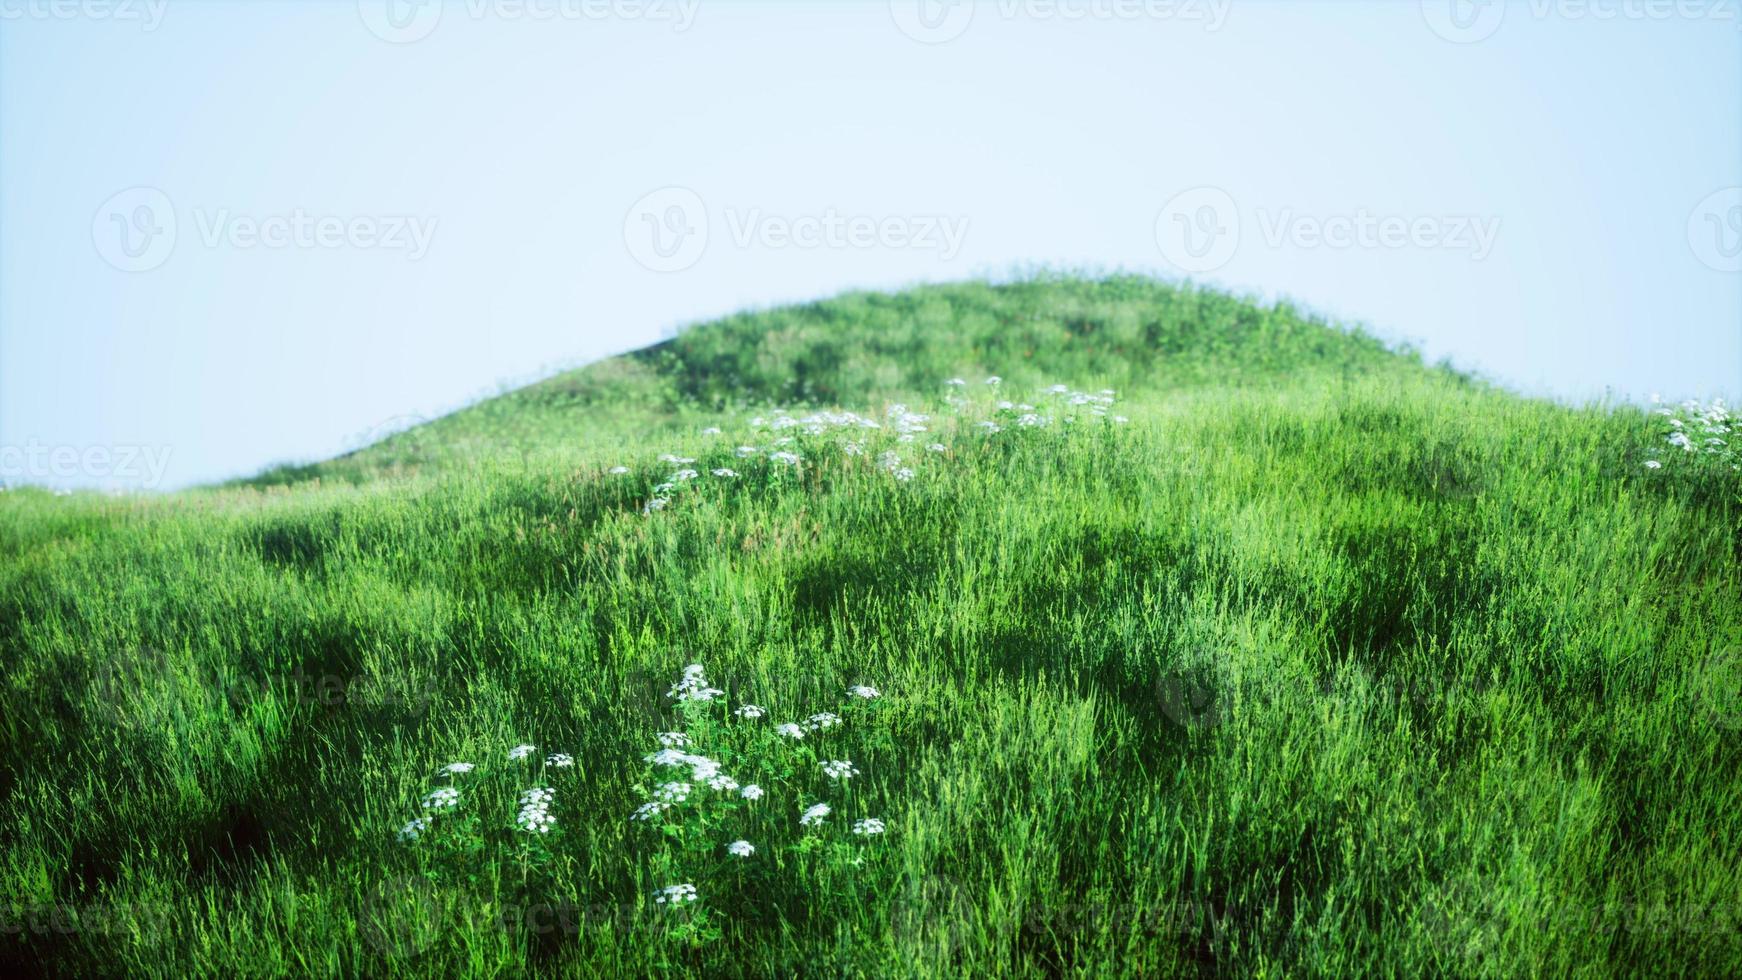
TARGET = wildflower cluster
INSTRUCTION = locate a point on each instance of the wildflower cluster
(450, 804)
(791, 442)
(1698, 435)
(712, 822)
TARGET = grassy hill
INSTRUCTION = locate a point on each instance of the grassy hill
(1289, 656)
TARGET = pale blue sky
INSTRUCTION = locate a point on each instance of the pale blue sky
(1560, 189)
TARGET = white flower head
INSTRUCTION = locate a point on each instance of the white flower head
(955, 383)
(559, 760)
(454, 768)
(789, 730)
(521, 752)
(673, 740)
(994, 380)
(868, 827)
(669, 757)
(751, 792)
(750, 711)
(815, 815)
(673, 792)
(725, 473)
(823, 720)
(535, 820)
(740, 848)
(445, 798)
(863, 691)
(839, 769)
(675, 894)
(649, 810)
(618, 470)
(414, 829)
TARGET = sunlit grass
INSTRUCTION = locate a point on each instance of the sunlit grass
(1323, 663)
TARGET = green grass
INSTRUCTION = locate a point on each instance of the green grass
(1326, 663)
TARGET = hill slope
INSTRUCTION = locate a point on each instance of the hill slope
(1296, 657)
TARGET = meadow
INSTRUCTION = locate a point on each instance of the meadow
(1092, 626)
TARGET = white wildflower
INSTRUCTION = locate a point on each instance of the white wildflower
(673, 792)
(618, 470)
(445, 798)
(862, 691)
(457, 767)
(725, 474)
(673, 740)
(823, 720)
(675, 894)
(750, 711)
(559, 760)
(740, 848)
(839, 769)
(751, 792)
(815, 815)
(789, 730)
(521, 752)
(647, 811)
(868, 827)
(414, 829)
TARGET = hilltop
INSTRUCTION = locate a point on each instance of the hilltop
(1210, 638)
